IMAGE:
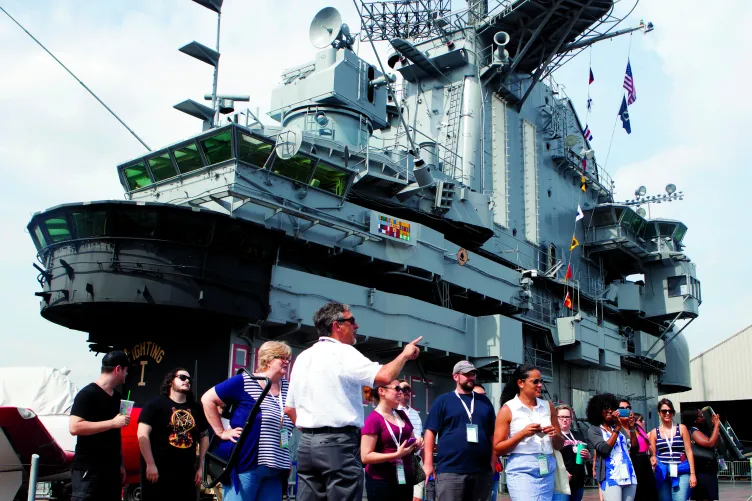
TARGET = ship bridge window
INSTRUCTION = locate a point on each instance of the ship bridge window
(650, 231)
(188, 158)
(136, 223)
(57, 228)
(218, 148)
(253, 151)
(681, 230)
(90, 223)
(38, 237)
(666, 229)
(331, 179)
(162, 168)
(677, 286)
(631, 221)
(136, 176)
(298, 168)
(603, 217)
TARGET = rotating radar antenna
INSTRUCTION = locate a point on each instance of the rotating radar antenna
(327, 29)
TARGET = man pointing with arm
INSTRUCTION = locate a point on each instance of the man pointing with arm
(324, 401)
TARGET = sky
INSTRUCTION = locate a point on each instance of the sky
(58, 145)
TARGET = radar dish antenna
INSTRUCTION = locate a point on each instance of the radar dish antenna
(325, 28)
(571, 140)
(289, 142)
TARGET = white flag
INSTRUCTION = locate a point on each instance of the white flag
(580, 215)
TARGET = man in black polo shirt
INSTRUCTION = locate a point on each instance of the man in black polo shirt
(97, 471)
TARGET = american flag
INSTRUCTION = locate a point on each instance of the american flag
(629, 85)
(586, 132)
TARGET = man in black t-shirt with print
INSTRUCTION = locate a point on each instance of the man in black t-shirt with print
(97, 471)
(169, 428)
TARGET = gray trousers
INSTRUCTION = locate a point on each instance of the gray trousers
(329, 467)
(620, 493)
(459, 487)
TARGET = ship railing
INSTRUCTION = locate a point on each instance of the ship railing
(594, 173)
(543, 360)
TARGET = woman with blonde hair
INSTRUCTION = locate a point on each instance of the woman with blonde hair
(573, 447)
(262, 471)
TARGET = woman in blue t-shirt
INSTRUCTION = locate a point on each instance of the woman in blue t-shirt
(264, 465)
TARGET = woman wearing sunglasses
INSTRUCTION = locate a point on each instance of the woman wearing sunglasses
(387, 440)
(675, 465)
(614, 470)
(525, 431)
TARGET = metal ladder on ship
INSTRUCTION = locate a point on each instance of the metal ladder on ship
(449, 154)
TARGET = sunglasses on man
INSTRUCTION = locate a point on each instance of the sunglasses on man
(341, 320)
(183, 377)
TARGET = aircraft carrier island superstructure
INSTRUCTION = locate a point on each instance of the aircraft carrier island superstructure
(443, 203)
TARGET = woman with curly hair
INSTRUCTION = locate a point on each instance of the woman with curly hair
(614, 470)
(526, 431)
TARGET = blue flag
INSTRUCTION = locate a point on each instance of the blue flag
(624, 115)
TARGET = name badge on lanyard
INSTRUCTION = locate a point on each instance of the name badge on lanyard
(284, 435)
(471, 429)
(673, 468)
(543, 464)
(397, 441)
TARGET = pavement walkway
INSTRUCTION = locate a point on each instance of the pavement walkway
(738, 491)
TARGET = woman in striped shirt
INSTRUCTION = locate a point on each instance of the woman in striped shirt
(675, 463)
(261, 473)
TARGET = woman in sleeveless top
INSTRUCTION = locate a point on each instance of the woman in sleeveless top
(707, 469)
(526, 431)
(675, 467)
(646, 490)
(614, 470)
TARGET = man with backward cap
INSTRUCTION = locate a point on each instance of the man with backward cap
(464, 422)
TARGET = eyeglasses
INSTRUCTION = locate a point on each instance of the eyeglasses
(667, 411)
(626, 407)
(183, 377)
(405, 389)
(397, 389)
(351, 320)
(565, 417)
(284, 358)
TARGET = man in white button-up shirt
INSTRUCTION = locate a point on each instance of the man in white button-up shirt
(324, 401)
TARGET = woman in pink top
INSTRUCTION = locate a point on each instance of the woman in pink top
(384, 447)
(646, 489)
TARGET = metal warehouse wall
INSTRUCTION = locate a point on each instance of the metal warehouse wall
(724, 372)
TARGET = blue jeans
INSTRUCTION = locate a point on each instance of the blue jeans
(259, 484)
(575, 496)
(666, 492)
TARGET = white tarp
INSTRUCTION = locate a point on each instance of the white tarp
(46, 391)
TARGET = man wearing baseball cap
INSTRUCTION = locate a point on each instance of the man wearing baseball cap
(464, 422)
(97, 471)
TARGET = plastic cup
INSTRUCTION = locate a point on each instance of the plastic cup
(578, 458)
(126, 406)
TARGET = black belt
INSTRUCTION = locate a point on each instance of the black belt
(330, 429)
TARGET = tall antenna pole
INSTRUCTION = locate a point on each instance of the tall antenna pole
(78, 80)
(216, 75)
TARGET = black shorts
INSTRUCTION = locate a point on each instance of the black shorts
(91, 485)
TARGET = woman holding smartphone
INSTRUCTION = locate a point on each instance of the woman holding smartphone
(614, 470)
(675, 462)
(386, 443)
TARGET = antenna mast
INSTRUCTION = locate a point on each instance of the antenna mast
(77, 80)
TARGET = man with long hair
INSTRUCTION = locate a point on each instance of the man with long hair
(169, 427)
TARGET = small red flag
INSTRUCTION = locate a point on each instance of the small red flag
(569, 273)
(568, 301)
